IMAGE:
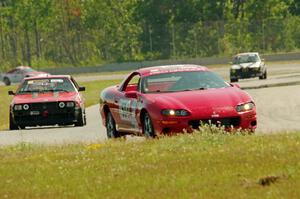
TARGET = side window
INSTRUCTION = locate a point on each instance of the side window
(18, 71)
(12, 71)
(133, 84)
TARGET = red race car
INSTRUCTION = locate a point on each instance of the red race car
(167, 99)
(48, 100)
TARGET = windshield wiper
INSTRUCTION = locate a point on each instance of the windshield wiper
(200, 88)
(30, 91)
(193, 89)
(56, 90)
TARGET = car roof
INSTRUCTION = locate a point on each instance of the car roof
(47, 77)
(247, 53)
(170, 69)
(22, 67)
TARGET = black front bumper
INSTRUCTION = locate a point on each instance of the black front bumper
(245, 73)
(43, 114)
(226, 122)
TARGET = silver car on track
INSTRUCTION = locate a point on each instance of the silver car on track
(247, 65)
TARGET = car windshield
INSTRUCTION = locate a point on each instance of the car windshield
(182, 81)
(28, 70)
(247, 58)
(46, 85)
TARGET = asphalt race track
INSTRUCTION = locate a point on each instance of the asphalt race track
(278, 107)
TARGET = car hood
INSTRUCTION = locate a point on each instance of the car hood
(204, 102)
(45, 97)
(246, 65)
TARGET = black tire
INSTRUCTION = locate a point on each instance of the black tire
(111, 130)
(148, 129)
(263, 76)
(12, 124)
(234, 80)
(22, 127)
(6, 81)
(81, 120)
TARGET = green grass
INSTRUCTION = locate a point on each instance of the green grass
(93, 89)
(91, 95)
(184, 166)
(5, 100)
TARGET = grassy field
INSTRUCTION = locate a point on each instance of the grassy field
(91, 94)
(199, 165)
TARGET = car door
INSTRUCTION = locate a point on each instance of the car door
(11, 75)
(127, 104)
(18, 76)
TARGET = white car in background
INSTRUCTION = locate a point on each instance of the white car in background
(247, 65)
(17, 74)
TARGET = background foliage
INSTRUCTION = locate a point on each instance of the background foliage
(88, 32)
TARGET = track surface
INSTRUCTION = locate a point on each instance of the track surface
(278, 110)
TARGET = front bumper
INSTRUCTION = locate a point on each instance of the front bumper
(43, 114)
(245, 73)
(243, 121)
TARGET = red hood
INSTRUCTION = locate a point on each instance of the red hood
(204, 102)
(45, 97)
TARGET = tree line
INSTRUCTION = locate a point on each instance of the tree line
(89, 32)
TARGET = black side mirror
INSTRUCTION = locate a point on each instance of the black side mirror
(81, 89)
(11, 93)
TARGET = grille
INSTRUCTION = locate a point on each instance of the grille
(43, 106)
(227, 122)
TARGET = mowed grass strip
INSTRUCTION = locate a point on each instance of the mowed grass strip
(91, 95)
(184, 166)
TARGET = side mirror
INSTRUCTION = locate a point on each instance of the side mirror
(81, 89)
(230, 62)
(11, 93)
(235, 85)
(262, 59)
(131, 94)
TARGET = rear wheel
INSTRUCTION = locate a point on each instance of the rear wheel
(12, 124)
(148, 127)
(111, 127)
(6, 81)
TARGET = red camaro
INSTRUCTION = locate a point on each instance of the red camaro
(48, 100)
(167, 99)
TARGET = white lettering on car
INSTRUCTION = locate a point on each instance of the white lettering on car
(127, 109)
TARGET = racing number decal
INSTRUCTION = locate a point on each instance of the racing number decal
(124, 109)
(127, 111)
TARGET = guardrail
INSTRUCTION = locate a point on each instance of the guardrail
(135, 65)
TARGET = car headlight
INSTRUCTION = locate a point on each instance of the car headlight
(70, 104)
(175, 112)
(17, 107)
(61, 105)
(245, 107)
(25, 107)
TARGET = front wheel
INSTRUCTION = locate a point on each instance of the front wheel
(148, 127)
(6, 81)
(234, 80)
(263, 76)
(111, 130)
(81, 120)
(12, 124)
